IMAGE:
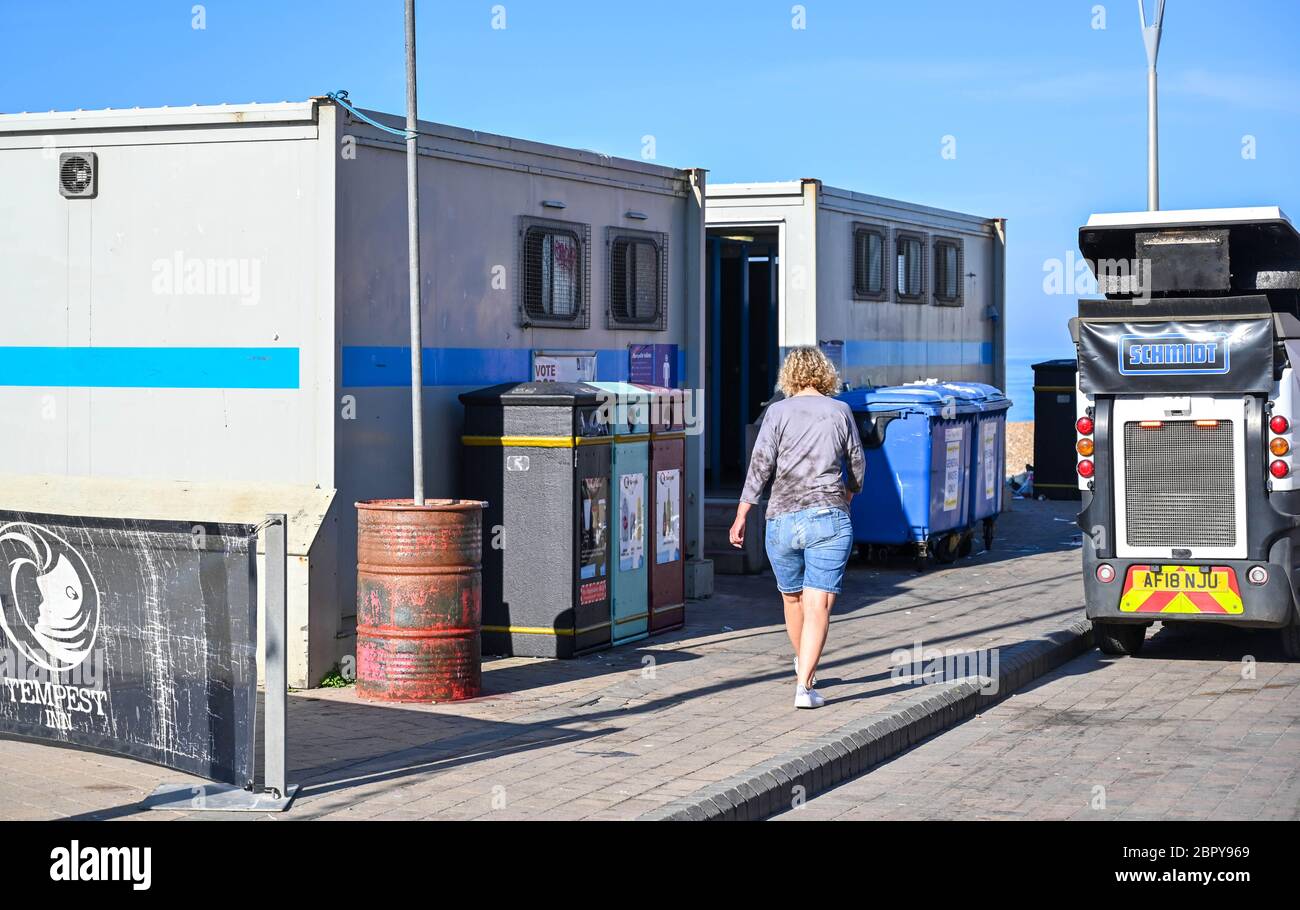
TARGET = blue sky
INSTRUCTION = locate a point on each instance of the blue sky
(1047, 111)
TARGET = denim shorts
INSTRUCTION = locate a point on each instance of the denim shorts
(809, 549)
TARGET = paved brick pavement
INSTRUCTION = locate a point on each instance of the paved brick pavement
(627, 731)
(1176, 733)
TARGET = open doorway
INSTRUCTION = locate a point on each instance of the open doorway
(743, 345)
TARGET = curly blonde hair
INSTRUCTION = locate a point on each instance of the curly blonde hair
(807, 367)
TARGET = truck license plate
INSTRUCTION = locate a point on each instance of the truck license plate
(1180, 589)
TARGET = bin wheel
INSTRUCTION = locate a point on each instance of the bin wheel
(946, 548)
(988, 535)
(1119, 638)
(1291, 640)
(967, 545)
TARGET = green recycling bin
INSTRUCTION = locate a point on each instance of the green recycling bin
(627, 410)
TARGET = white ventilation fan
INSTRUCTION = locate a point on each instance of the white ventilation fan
(78, 174)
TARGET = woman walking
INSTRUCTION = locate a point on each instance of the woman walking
(808, 446)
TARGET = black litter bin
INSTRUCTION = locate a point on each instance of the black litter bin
(1054, 436)
(539, 454)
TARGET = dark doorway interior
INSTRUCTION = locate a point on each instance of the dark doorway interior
(743, 273)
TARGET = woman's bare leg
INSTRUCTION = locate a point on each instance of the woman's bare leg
(816, 622)
(793, 604)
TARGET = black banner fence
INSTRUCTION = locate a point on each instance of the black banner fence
(139, 637)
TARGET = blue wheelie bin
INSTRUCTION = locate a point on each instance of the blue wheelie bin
(917, 439)
(988, 454)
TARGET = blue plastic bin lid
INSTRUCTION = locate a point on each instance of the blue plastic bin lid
(987, 397)
(935, 399)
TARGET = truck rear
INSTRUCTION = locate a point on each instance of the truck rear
(1185, 439)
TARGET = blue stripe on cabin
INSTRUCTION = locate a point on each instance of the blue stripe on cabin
(917, 353)
(149, 367)
(366, 366)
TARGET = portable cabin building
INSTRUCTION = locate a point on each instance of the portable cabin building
(205, 313)
(893, 291)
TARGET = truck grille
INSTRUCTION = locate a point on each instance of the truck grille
(1178, 485)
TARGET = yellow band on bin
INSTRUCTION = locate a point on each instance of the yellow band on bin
(535, 442)
(542, 630)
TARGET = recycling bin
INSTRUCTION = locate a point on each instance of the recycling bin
(917, 441)
(988, 454)
(539, 454)
(627, 410)
(1054, 435)
(667, 595)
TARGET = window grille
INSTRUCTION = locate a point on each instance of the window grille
(555, 272)
(870, 271)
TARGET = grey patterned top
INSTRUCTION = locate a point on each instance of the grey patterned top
(807, 440)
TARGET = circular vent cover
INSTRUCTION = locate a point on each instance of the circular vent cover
(77, 174)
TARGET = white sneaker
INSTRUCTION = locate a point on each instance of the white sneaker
(807, 698)
(812, 681)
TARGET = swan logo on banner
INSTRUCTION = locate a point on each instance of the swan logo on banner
(49, 602)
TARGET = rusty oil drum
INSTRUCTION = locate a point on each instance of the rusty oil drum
(419, 599)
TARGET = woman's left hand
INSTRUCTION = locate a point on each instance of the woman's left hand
(737, 533)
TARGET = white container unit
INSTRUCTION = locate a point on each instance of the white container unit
(895, 292)
(218, 296)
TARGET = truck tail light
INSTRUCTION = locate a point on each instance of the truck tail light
(1258, 575)
(1279, 469)
(1279, 446)
(1085, 446)
(1105, 573)
(1279, 424)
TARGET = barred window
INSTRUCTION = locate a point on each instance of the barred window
(910, 255)
(637, 279)
(870, 280)
(948, 272)
(554, 269)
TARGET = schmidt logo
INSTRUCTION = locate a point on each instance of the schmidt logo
(1173, 355)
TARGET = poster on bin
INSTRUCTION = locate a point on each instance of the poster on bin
(668, 523)
(132, 637)
(952, 468)
(631, 517)
(594, 545)
(990, 443)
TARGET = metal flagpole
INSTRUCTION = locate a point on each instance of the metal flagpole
(413, 255)
(1151, 38)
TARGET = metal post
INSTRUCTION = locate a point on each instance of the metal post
(413, 256)
(277, 679)
(1151, 38)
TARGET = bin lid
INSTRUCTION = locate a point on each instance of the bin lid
(987, 397)
(538, 394)
(1068, 363)
(668, 407)
(926, 398)
(628, 406)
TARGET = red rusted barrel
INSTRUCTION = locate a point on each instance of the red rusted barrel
(419, 599)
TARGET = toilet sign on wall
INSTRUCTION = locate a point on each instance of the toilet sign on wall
(134, 637)
(564, 366)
